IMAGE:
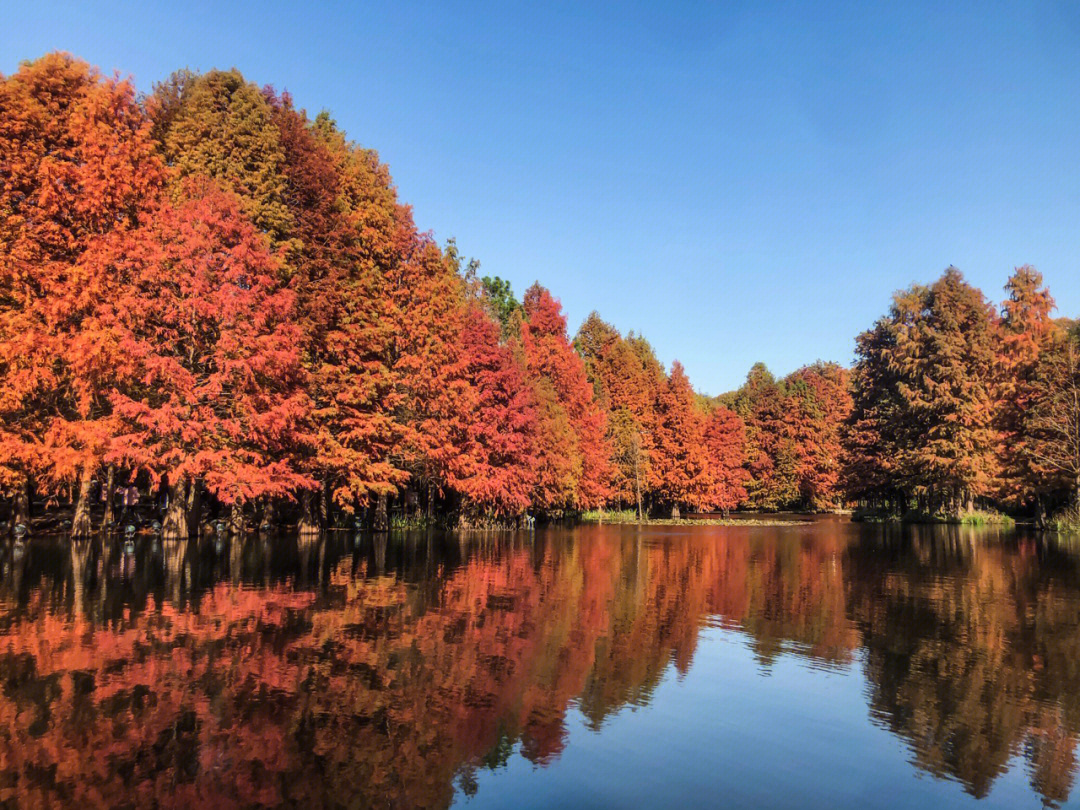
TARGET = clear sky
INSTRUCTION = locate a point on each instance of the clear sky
(737, 181)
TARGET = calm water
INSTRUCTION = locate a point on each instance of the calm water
(814, 665)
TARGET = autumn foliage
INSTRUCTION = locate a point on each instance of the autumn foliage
(209, 291)
(78, 166)
(213, 380)
(954, 407)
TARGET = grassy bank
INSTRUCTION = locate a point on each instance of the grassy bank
(630, 517)
(1066, 521)
(916, 516)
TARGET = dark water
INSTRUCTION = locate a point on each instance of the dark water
(815, 665)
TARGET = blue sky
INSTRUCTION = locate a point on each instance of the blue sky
(737, 181)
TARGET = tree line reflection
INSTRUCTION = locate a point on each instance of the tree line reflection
(391, 668)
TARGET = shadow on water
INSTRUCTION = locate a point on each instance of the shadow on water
(392, 669)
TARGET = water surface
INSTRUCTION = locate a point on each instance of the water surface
(821, 664)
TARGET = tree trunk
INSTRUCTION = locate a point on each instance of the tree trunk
(675, 514)
(110, 495)
(194, 506)
(1040, 512)
(637, 490)
(266, 524)
(21, 509)
(380, 523)
(307, 523)
(175, 524)
(236, 519)
(325, 505)
(80, 524)
(430, 504)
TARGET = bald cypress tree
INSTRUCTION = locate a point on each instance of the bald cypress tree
(680, 467)
(1027, 330)
(923, 419)
(627, 379)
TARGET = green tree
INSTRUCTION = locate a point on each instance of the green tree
(219, 124)
(500, 296)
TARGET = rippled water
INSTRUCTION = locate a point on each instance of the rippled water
(812, 665)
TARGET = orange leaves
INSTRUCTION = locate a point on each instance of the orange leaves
(216, 287)
(78, 168)
(925, 394)
(725, 443)
(820, 404)
(348, 224)
(1027, 335)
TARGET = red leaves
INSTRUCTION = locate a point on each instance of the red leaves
(216, 387)
(568, 408)
(680, 464)
(725, 443)
(261, 313)
(497, 468)
(1027, 333)
(350, 228)
(819, 406)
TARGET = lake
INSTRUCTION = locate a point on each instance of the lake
(815, 664)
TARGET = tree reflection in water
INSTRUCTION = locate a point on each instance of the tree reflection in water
(386, 670)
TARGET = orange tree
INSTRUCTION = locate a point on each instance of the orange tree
(78, 165)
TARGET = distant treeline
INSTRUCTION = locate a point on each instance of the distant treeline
(210, 297)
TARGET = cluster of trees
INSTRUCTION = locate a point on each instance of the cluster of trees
(957, 404)
(953, 405)
(795, 430)
(668, 445)
(208, 295)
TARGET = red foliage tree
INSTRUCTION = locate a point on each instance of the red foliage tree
(627, 379)
(1026, 332)
(770, 438)
(351, 232)
(725, 444)
(553, 363)
(209, 340)
(820, 404)
(680, 463)
(497, 472)
(430, 367)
